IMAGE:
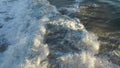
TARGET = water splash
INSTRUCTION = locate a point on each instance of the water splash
(40, 37)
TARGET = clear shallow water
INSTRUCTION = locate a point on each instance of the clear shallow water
(37, 35)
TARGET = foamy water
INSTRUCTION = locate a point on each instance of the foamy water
(38, 36)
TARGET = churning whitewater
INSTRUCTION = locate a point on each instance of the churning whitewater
(33, 34)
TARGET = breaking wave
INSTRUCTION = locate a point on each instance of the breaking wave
(33, 34)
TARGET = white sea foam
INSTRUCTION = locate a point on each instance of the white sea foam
(24, 27)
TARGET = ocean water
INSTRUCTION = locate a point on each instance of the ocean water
(56, 34)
